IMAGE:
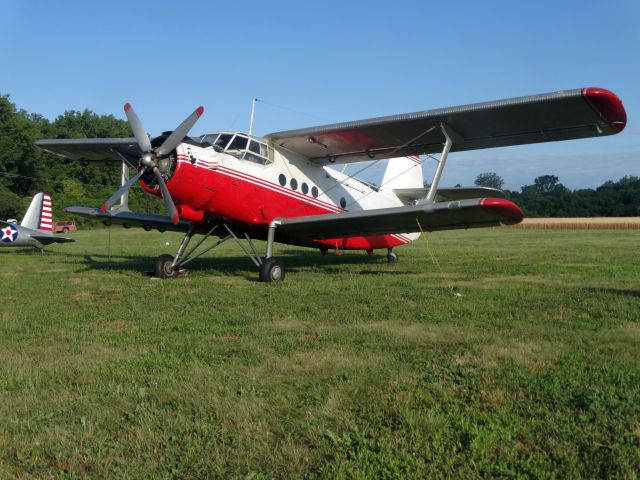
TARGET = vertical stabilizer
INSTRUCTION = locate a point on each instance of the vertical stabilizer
(402, 172)
(39, 215)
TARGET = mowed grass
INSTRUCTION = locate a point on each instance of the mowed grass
(352, 368)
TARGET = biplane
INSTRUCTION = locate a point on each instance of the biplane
(284, 187)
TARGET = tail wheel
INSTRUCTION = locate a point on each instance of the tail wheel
(272, 270)
(392, 257)
(163, 267)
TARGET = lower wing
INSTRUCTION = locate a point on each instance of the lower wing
(458, 214)
(148, 220)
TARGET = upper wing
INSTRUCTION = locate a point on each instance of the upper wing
(470, 213)
(548, 117)
(150, 220)
(105, 150)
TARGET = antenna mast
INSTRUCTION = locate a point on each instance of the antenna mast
(253, 109)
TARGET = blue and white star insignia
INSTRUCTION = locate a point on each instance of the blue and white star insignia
(8, 234)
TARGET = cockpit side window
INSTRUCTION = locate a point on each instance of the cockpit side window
(257, 152)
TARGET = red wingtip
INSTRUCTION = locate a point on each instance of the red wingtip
(104, 207)
(509, 212)
(127, 107)
(200, 110)
(608, 105)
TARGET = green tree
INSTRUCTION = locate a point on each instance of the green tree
(10, 204)
(489, 179)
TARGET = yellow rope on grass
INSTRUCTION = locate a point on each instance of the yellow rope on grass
(434, 259)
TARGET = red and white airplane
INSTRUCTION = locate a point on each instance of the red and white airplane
(282, 188)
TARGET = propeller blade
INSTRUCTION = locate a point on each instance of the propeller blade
(138, 130)
(110, 201)
(179, 133)
(166, 196)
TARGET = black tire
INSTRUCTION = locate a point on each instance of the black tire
(163, 267)
(392, 257)
(272, 270)
(65, 230)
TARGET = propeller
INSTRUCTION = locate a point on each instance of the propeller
(151, 158)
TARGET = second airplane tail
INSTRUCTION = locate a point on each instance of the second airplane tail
(39, 215)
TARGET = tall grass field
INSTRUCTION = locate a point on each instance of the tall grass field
(480, 354)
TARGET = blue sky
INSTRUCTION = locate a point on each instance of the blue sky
(322, 62)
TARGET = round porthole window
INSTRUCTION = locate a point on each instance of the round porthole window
(293, 184)
(305, 188)
(314, 192)
(343, 202)
(282, 180)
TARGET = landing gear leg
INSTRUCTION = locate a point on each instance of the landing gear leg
(272, 269)
(391, 257)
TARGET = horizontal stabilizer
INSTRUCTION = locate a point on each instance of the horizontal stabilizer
(448, 194)
(48, 239)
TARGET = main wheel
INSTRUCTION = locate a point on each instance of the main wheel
(392, 257)
(163, 268)
(272, 270)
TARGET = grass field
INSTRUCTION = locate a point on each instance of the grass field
(352, 368)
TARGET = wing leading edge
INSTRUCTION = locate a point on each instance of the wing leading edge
(564, 115)
(469, 213)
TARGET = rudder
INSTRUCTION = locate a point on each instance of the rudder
(39, 215)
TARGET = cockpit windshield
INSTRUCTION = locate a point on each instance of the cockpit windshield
(240, 145)
(223, 140)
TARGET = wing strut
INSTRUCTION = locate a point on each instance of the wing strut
(124, 178)
(430, 198)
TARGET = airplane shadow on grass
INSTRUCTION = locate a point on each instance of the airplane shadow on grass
(235, 265)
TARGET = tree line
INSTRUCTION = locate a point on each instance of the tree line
(547, 197)
(26, 170)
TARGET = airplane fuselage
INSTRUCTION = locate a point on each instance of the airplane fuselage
(207, 183)
(12, 235)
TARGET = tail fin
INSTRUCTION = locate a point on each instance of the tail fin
(402, 172)
(39, 215)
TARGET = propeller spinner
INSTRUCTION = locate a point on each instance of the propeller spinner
(151, 158)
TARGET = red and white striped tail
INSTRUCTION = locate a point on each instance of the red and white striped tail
(46, 215)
